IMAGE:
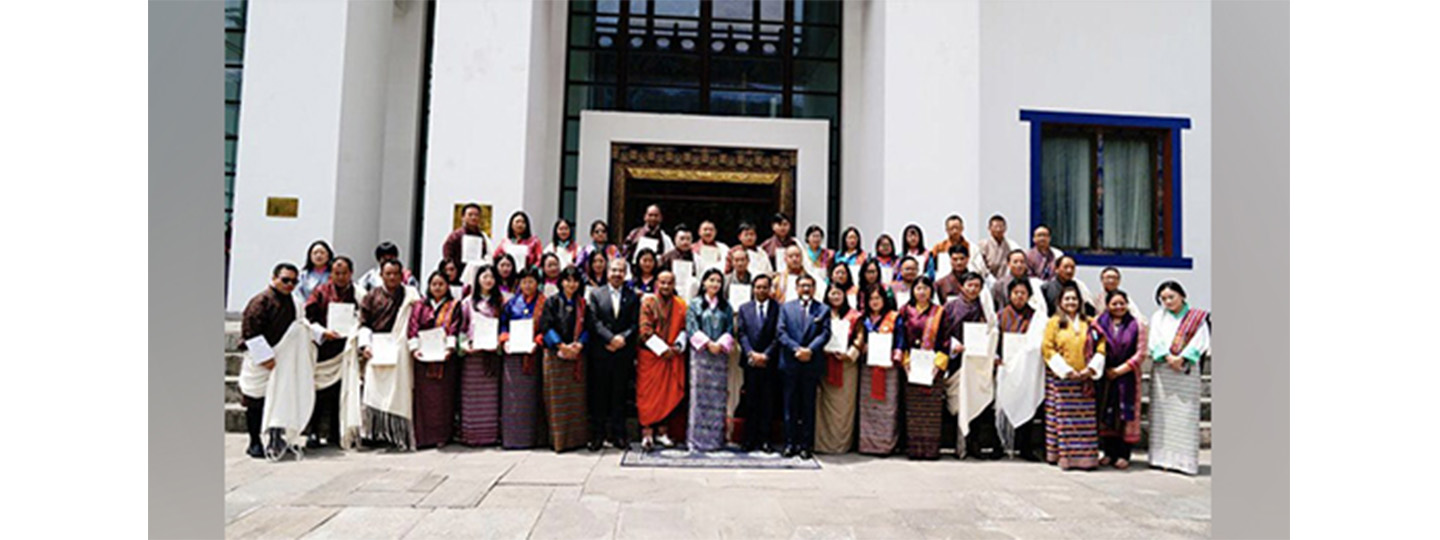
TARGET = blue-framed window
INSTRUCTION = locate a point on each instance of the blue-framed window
(1108, 186)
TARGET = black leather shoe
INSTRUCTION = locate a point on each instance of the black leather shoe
(748, 448)
(312, 441)
(790, 452)
(766, 448)
(806, 454)
(255, 451)
(595, 445)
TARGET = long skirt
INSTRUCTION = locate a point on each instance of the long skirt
(705, 429)
(735, 383)
(520, 405)
(835, 412)
(923, 406)
(1070, 432)
(1115, 400)
(565, 402)
(879, 418)
(480, 399)
(1175, 419)
(434, 402)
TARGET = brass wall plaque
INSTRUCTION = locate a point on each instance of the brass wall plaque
(282, 207)
(485, 215)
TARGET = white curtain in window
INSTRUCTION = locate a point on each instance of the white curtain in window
(1065, 168)
(1129, 196)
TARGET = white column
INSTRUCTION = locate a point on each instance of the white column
(308, 131)
(931, 108)
(491, 112)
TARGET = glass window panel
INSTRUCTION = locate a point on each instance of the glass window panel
(816, 42)
(638, 7)
(232, 83)
(834, 143)
(758, 74)
(1065, 169)
(682, 8)
(234, 46)
(813, 12)
(567, 204)
(572, 135)
(817, 76)
(1128, 197)
(607, 6)
(590, 97)
(232, 118)
(230, 153)
(664, 69)
(572, 168)
(812, 106)
(733, 9)
(761, 104)
(663, 100)
(772, 10)
(598, 66)
(234, 14)
(582, 30)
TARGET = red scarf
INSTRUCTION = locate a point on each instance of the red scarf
(1189, 325)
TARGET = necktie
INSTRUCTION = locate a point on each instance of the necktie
(615, 303)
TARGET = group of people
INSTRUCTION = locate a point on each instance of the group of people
(782, 345)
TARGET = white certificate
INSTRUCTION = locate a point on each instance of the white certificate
(341, 316)
(758, 263)
(710, 257)
(819, 275)
(384, 349)
(739, 294)
(472, 248)
(656, 345)
(259, 350)
(977, 338)
(886, 274)
(432, 345)
(520, 253)
(1059, 366)
(839, 336)
(646, 242)
(682, 267)
(922, 367)
(566, 259)
(550, 289)
(850, 297)
(457, 291)
(942, 270)
(901, 298)
(780, 265)
(791, 284)
(522, 337)
(879, 348)
(484, 333)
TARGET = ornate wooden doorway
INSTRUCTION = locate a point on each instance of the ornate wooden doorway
(694, 183)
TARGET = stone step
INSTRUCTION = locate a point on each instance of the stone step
(232, 363)
(232, 389)
(234, 418)
(232, 336)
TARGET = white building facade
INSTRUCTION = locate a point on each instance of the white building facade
(376, 118)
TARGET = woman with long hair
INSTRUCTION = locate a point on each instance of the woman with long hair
(481, 366)
(1179, 337)
(1118, 394)
(1071, 345)
(710, 322)
(520, 402)
(880, 385)
(562, 327)
(835, 406)
(923, 403)
(316, 269)
(887, 257)
(852, 249)
(599, 243)
(563, 244)
(647, 268)
(520, 241)
(434, 384)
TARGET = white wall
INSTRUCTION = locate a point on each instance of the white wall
(862, 160)
(404, 81)
(598, 129)
(362, 131)
(485, 120)
(1150, 58)
(289, 136)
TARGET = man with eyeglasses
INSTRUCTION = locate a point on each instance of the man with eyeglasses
(271, 339)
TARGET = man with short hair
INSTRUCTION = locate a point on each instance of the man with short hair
(1065, 275)
(386, 251)
(331, 357)
(994, 248)
(612, 324)
(1042, 258)
(279, 348)
(803, 330)
(387, 396)
(682, 252)
(949, 286)
(1017, 268)
(969, 420)
(453, 248)
(954, 235)
(1110, 281)
(786, 279)
(755, 324)
(754, 253)
(650, 229)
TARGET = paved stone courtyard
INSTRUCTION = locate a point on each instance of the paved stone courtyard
(459, 492)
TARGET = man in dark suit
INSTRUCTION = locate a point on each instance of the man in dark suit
(802, 330)
(612, 323)
(759, 357)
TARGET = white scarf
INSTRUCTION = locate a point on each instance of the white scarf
(349, 374)
(290, 392)
(388, 386)
(1020, 383)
